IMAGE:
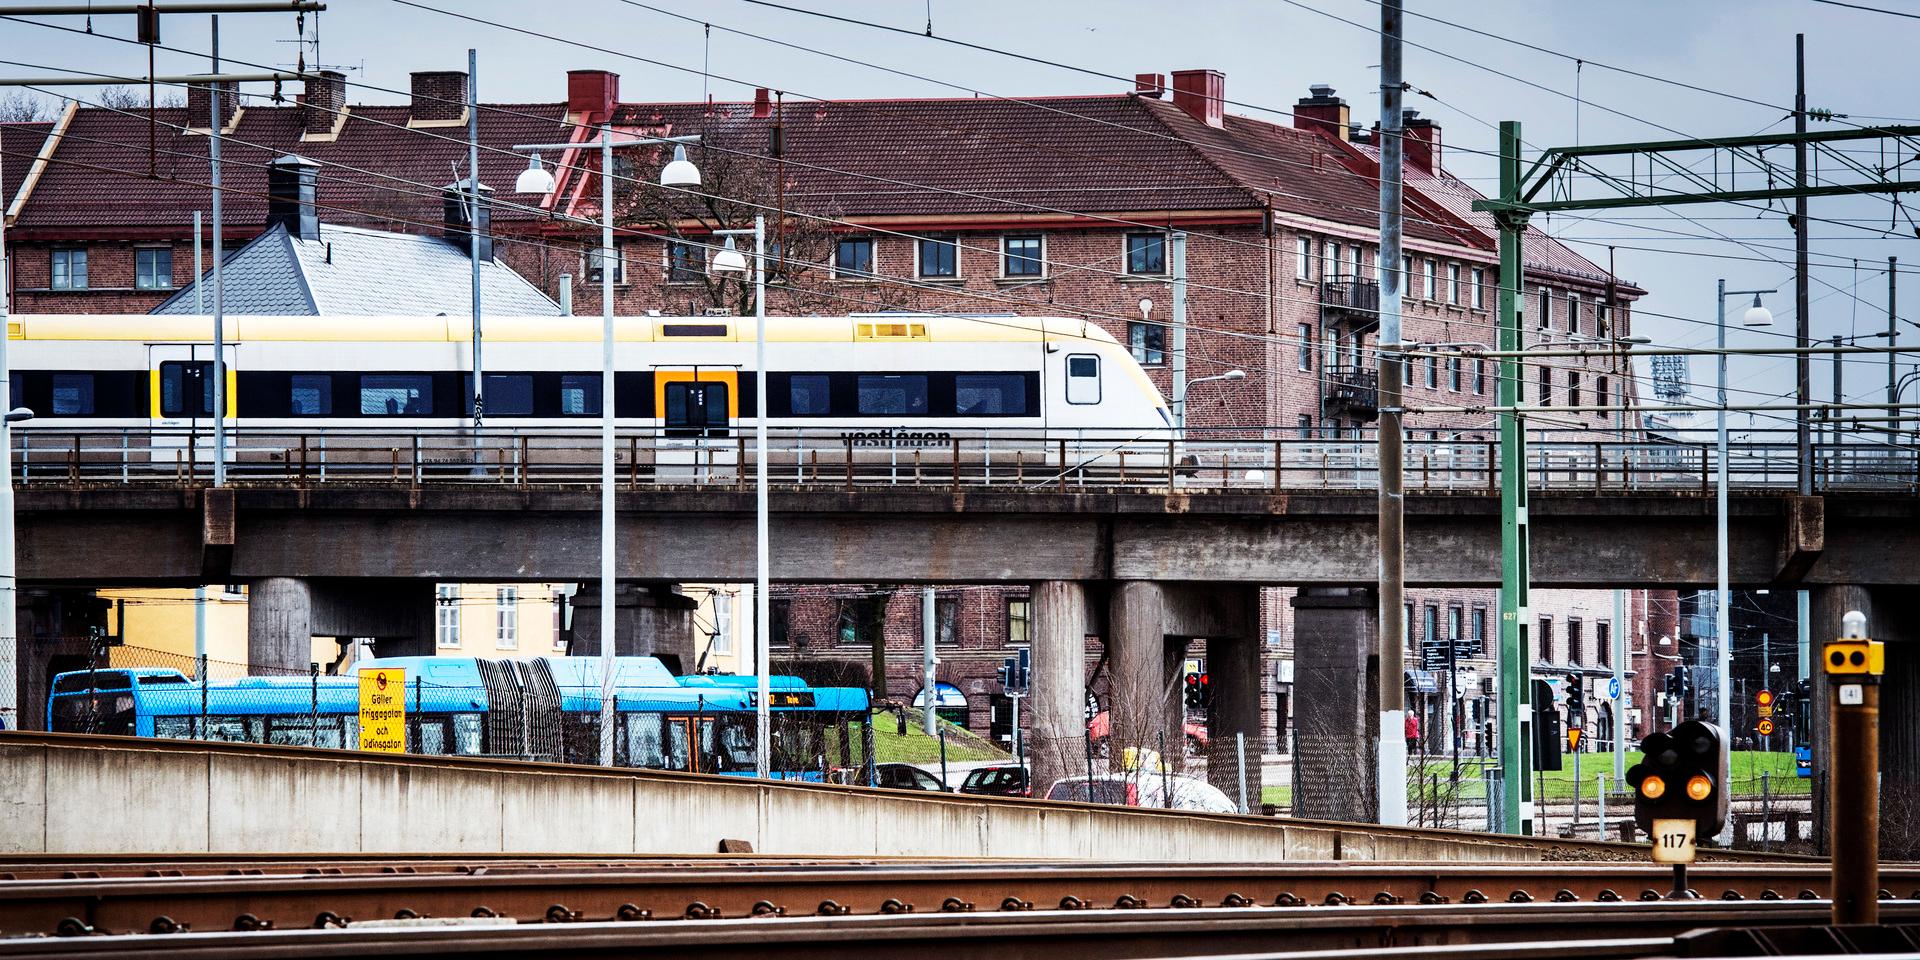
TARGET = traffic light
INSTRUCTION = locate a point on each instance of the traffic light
(1576, 701)
(1199, 692)
(1679, 779)
(1009, 671)
(1547, 735)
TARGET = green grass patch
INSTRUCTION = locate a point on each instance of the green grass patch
(921, 750)
(1281, 796)
(1744, 770)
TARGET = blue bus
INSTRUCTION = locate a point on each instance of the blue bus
(541, 709)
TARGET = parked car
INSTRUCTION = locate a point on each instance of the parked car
(1006, 780)
(1144, 790)
(1099, 729)
(897, 776)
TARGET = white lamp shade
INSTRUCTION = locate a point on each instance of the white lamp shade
(1757, 316)
(534, 179)
(680, 172)
(729, 260)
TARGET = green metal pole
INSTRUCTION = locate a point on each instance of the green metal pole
(1516, 723)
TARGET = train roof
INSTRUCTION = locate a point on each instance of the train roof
(857, 328)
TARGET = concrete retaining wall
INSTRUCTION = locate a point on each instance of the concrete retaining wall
(65, 794)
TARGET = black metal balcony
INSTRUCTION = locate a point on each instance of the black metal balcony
(1354, 302)
(1352, 392)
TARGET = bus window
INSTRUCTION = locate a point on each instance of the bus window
(231, 730)
(466, 734)
(678, 749)
(178, 728)
(726, 744)
(643, 741)
(431, 737)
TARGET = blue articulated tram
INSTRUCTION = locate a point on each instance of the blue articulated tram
(546, 709)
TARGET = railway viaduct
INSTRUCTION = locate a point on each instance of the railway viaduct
(1147, 571)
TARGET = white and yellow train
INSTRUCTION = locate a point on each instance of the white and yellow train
(880, 379)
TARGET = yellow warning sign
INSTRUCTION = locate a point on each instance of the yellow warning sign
(1573, 738)
(383, 709)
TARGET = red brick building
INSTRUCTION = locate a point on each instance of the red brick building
(1050, 205)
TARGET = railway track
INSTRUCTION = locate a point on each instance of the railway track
(1567, 930)
(226, 895)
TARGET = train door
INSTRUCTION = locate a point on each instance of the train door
(697, 407)
(181, 400)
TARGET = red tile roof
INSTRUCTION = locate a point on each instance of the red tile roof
(19, 143)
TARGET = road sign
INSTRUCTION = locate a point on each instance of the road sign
(1766, 710)
(1573, 738)
(1764, 727)
(1613, 688)
(383, 709)
(1763, 698)
(1673, 840)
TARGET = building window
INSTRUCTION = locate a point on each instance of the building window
(597, 256)
(1430, 625)
(779, 615)
(1602, 317)
(1478, 290)
(1546, 387)
(1303, 258)
(1453, 374)
(69, 270)
(580, 394)
(1453, 284)
(559, 620)
(686, 262)
(1575, 655)
(1477, 628)
(946, 621)
(1543, 642)
(1019, 621)
(1454, 616)
(1573, 388)
(1146, 253)
(1603, 643)
(153, 268)
(1406, 628)
(446, 615)
(1305, 360)
(1433, 372)
(506, 618)
(1023, 257)
(939, 258)
(1357, 258)
(1149, 342)
(1330, 267)
(1430, 281)
(1406, 275)
(1305, 424)
(1573, 312)
(1406, 369)
(1546, 308)
(853, 258)
(1480, 375)
(1600, 395)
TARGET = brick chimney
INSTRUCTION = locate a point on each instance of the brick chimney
(1150, 85)
(1323, 113)
(762, 104)
(1422, 142)
(594, 93)
(439, 95)
(200, 101)
(290, 197)
(454, 197)
(1202, 94)
(320, 106)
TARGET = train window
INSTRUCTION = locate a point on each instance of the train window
(893, 394)
(990, 394)
(508, 394)
(580, 394)
(810, 394)
(72, 394)
(1083, 378)
(396, 394)
(186, 388)
(310, 395)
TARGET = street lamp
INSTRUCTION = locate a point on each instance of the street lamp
(536, 176)
(1180, 411)
(1757, 316)
(729, 260)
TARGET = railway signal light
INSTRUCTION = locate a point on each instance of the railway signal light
(1576, 702)
(1679, 780)
(1199, 690)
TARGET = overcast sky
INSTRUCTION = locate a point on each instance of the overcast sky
(1271, 50)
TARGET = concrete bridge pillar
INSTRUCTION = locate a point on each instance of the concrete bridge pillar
(1335, 630)
(1058, 694)
(1143, 707)
(650, 620)
(280, 623)
(284, 614)
(1233, 672)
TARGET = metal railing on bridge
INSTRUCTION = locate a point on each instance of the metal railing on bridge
(1238, 460)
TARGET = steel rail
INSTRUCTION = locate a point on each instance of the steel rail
(543, 892)
(1565, 928)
